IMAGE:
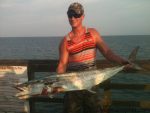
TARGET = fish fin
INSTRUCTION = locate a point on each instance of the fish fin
(91, 91)
(132, 56)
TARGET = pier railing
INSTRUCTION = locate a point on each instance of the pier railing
(50, 66)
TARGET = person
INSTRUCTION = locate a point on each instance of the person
(77, 52)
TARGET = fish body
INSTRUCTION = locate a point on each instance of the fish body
(86, 79)
(83, 80)
(73, 81)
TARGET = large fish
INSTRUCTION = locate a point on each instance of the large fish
(56, 83)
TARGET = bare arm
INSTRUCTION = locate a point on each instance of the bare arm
(105, 50)
(63, 57)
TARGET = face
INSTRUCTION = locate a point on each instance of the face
(75, 20)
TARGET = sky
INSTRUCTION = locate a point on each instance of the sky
(26, 18)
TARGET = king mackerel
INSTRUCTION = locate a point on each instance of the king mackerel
(72, 81)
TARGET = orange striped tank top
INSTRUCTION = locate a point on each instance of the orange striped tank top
(82, 54)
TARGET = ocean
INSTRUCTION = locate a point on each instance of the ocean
(47, 48)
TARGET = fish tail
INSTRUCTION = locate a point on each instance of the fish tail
(132, 58)
(133, 54)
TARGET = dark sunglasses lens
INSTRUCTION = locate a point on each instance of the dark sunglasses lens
(77, 15)
(70, 15)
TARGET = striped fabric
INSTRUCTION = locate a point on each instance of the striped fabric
(82, 54)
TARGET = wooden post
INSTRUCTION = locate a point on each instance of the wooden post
(30, 72)
(31, 77)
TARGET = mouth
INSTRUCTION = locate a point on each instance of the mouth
(73, 22)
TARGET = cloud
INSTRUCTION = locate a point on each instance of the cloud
(31, 17)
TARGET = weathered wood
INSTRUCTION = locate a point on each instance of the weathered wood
(50, 66)
(47, 99)
(144, 87)
(32, 105)
(30, 72)
(13, 62)
(144, 64)
(140, 104)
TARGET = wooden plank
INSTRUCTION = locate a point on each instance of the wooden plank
(144, 87)
(50, 64)
(140, 104)
(30, 72)
(144, 64)
(47, 99)
(13, 62)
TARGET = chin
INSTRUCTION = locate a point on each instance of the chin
(74, 25)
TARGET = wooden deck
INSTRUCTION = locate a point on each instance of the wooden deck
(10, 104)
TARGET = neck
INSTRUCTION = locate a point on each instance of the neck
(78, 30)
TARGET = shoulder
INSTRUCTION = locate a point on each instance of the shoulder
(95, 33)
(63, 42)
(66, 38)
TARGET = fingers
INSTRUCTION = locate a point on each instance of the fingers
(129, 67)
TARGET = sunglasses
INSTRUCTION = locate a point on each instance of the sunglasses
(73, 14)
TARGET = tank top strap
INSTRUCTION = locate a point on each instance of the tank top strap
(86, 30)
(87, 33)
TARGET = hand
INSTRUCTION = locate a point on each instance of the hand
(129, 67)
